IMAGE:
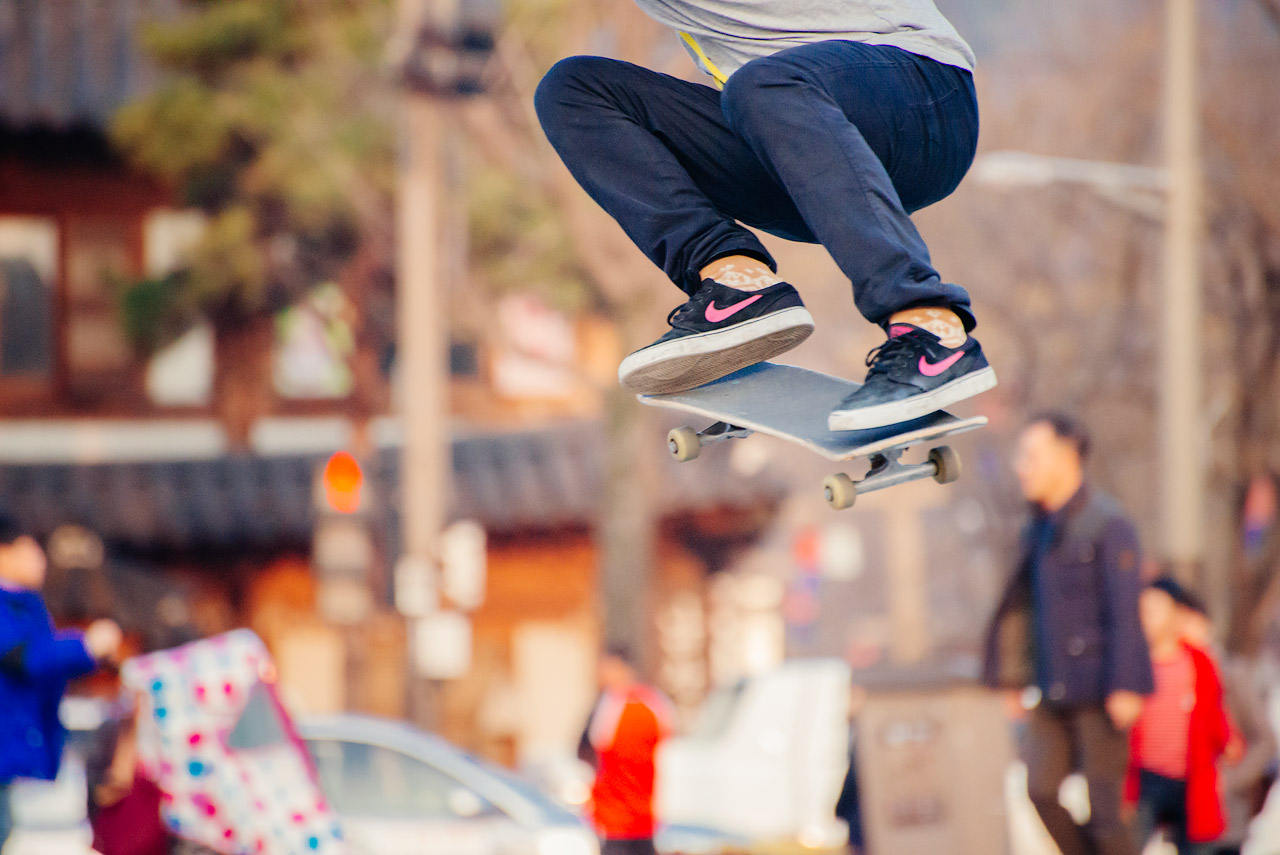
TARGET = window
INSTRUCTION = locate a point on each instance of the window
(180, 374)
(315, 340)
(98, 257)
(369, 780)
(28, 270)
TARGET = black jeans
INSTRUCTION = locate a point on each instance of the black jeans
(1162, 803)
(832, 143)
(1062, 740)
(640, 846)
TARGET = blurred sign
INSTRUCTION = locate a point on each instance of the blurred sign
(344, 601)
(934, 760)
(538, 350)
(442, 646)
(841, 555)
(463, 564)
(415, 582)
(342, 546)
(835, 551)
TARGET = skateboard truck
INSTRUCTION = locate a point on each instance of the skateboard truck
(841, 491)
(794, 405)
(888, 470)
(685, 443)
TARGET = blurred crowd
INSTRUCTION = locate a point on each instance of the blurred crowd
(1121, 674)
(1111, 667)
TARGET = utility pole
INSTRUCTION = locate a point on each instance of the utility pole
(420, 347)
(441, 51)
(1181, 426)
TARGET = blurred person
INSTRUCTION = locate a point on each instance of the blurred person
(1175, 744)
(830, 122)
(36, 662)
(124, 805)
(1250, 753)
(628, 723)
(849, 802)
(1068, 625)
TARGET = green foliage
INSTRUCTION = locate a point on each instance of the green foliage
(223, 31)
(542, 25)
(519, 242)
(177, 133)
(276, 118)
(227, 265)
(152, 312)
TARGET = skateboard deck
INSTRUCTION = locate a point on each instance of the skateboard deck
(792, 404)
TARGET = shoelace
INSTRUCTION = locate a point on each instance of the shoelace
(679, 312)
(883, 358)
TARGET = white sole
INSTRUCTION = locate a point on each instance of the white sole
(896, 412)
(695, 360)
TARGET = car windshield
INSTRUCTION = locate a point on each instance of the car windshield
(505, 789)
(547, 806)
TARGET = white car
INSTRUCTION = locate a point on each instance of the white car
(399, 791)
(766, 759)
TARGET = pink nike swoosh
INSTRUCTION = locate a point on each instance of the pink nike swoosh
(933, 369)
(717, 315)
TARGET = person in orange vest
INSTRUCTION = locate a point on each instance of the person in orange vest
(627, 725)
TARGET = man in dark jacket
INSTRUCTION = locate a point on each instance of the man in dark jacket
(1068, 625)
(35, 664)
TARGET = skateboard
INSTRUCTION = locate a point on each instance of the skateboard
(792, 403)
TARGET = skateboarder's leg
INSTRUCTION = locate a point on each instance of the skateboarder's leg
(860, 135)
(657, 154)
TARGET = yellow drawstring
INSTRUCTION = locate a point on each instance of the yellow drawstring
(707, 65)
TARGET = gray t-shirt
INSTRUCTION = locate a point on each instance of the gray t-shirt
(724, 35)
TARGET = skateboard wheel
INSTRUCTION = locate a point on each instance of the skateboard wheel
(683, 443)
(840, 490)
(946, 463)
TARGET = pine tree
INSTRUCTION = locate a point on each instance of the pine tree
(275, 119)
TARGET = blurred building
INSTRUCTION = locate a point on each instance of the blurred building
(153, 513)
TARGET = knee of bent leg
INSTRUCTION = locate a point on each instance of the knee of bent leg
(749, 90)
(556, 89)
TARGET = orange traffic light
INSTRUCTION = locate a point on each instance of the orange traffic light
(343, 480)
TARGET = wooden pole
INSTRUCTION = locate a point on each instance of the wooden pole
(1182, 428)
(422, 373)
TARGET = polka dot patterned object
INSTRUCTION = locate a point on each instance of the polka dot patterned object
(234, 802)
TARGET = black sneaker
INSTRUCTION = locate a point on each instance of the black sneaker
(717, 332)
(912, 375)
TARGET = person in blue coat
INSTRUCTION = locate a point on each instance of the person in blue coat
(1068, 626)
(36, 662)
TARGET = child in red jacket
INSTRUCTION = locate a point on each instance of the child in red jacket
(1183, 729)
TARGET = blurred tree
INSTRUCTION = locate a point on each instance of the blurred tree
(533, 228)
(1068, 285)
(275, 119)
